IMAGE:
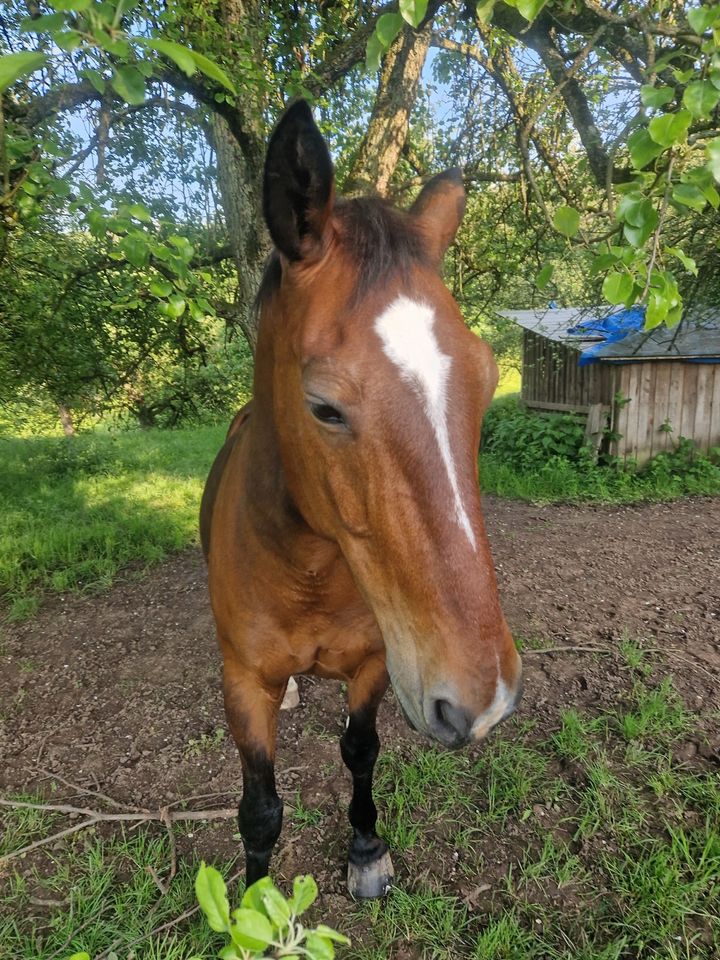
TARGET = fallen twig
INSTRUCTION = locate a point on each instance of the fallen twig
(96, 816)
(80, 789)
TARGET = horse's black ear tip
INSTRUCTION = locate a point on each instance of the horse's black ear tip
(297, 113)
(454, 175)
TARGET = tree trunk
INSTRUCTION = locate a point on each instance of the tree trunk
(241, 189)
(382, 145)
(66, 420)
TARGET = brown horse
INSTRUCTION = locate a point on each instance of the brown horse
(342, 521)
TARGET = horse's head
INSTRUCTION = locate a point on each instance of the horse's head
(377, 391)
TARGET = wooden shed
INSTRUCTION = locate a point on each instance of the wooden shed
(650, 387)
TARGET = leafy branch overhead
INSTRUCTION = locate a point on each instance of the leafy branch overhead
(663, 167)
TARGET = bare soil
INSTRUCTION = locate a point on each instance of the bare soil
(121, 692)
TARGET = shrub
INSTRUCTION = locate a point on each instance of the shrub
(527, 440)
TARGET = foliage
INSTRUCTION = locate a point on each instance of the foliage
(544, 457)
(266, 923)
(524, 440)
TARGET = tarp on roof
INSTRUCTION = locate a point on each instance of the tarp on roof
(600, 335)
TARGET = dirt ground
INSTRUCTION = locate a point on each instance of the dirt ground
(121, 692)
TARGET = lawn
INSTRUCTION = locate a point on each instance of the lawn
(595, 840)
(76, 512)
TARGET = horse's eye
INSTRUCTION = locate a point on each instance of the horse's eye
(326, 414)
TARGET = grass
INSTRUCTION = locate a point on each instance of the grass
(77, 512)
(586, 842)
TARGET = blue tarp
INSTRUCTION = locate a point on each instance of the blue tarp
(611, 328)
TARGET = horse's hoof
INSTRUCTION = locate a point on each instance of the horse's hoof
(371, 880)
(292, 696)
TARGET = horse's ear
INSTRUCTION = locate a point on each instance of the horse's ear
(439, 209)
(298, 184)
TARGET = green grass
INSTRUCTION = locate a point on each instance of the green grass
(562, 480)
(77, 512)
(580, 843)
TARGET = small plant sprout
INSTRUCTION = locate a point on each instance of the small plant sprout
(265, 924)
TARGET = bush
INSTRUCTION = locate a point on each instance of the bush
(545, 457)
(519, 438)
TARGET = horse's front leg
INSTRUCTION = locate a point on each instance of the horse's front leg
(252, 712)
(370, 869)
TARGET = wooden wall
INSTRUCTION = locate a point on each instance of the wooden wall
(684, 395)
(552, 379)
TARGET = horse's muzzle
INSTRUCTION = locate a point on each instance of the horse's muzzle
(454, 726)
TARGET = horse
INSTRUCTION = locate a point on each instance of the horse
(341, 521)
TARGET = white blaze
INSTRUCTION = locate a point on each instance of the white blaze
(406, 331)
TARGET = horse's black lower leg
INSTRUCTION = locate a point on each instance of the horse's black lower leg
(260, 814)
(370, 869)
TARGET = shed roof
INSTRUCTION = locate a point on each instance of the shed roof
(697, 337)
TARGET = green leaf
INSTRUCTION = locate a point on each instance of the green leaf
(484, 10)
(639, 236)
(566, 221)
(413, 11)
(689, 195)
(319, 948)
(120, 48)
(176, 305)
(331, 934)
(701, 98)
(212, 896)
(179, 55)
(253, 897)
(684, 259)
(305, 893)
(712, 151)
(48, 21)
(95, 77)
(76, 5)
(229, 952)
(135, 249)
(13, 66)
(670, 128)
(160, 288)
(80, 956)
(656, 310)
(529, 8)
(545, 276)
(277, 908)
(388, 27)
(655, 97)
(373, 53)
(702, 19)
(642, 148)
(250, 929)
(140, 212)
(618, 287)
(68, 40)
(603, 261)
(129, 84)
(212, 70)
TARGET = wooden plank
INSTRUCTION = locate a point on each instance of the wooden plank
(715, 408)
(660, 436)
(551, 405)
(689, 401)
(643, 402)
(703, 403)
(622, 419)
(674, 406)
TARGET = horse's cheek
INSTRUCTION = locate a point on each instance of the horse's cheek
(348, 501)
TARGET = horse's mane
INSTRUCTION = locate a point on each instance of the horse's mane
(382, 240)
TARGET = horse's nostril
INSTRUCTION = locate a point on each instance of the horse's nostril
(450, 723)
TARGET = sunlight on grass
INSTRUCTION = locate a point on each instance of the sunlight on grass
(77, 512)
